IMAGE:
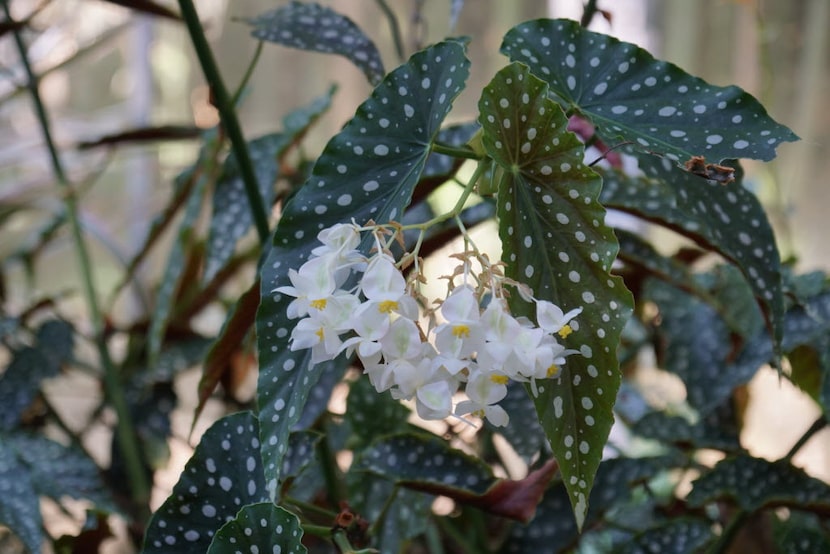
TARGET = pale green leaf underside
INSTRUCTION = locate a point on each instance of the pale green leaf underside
(555, 240)
(367, 171)
(630, 96)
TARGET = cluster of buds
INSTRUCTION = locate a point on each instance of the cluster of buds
(351, 303)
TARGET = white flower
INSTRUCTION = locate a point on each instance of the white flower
(311, 287)
(461, 335)
(384, 286)
(371, 325)
(484, 391)
(434, 400)
(552, 319)
(500, 331)
(321, 330)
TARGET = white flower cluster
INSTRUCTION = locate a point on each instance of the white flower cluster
(379, 320)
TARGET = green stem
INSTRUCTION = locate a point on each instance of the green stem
(227, 113)
(459, 205)
(248, 72)
(318, 531)
(588, 12)
(395, 28)
(309, 508)
(334, 487)
(819, 424)
(454, 151)
(125, 432)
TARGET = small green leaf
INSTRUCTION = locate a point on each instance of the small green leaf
(630, 96)
(19, 504)
(754, 483)
(224, 474)
(367, 171)
(678, 536)
(261, 527)
(310, 26)
(554, 240)
(727, 219)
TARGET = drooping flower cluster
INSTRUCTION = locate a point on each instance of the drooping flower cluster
(378, 318)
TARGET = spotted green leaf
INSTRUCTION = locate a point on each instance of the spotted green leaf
(367, 171)
(261, 527)
(753, 483)
(552, 530)
(523, 432)
(223, 475)
(310, 26)
(680, 432)
(800, 537)
(630, 96)
(371, 414)
(726, 219)
(19, 504)
(554, 239)
(678, 536)
(696, 346)
(426, 460)
(59, 471)
(231, 209)
(20, 381)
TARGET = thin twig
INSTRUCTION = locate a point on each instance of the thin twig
(227, 113)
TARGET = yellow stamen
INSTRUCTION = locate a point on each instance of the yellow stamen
(500, 379)
(387, 306)
(565, 331)
(479, 413)
(461, 331)
(319, 304)
(553, 370)
(319, 333)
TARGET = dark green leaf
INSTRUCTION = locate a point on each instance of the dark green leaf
(678, 536)
(427, 463)
(261, 527)
(553, 530)
(19, 505)
(554, 239)
(56, 339)
(59, 471)
(371, 414)
(427, 460)
(727, 219)
(630, 96)
(224, 474)
(398, 520)
(523, 432)
(754, 483)
(696, 346)
(20, 383)
(300, 453)
(310, 26)
(367, 171)
(796, 537)
(676, 430)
